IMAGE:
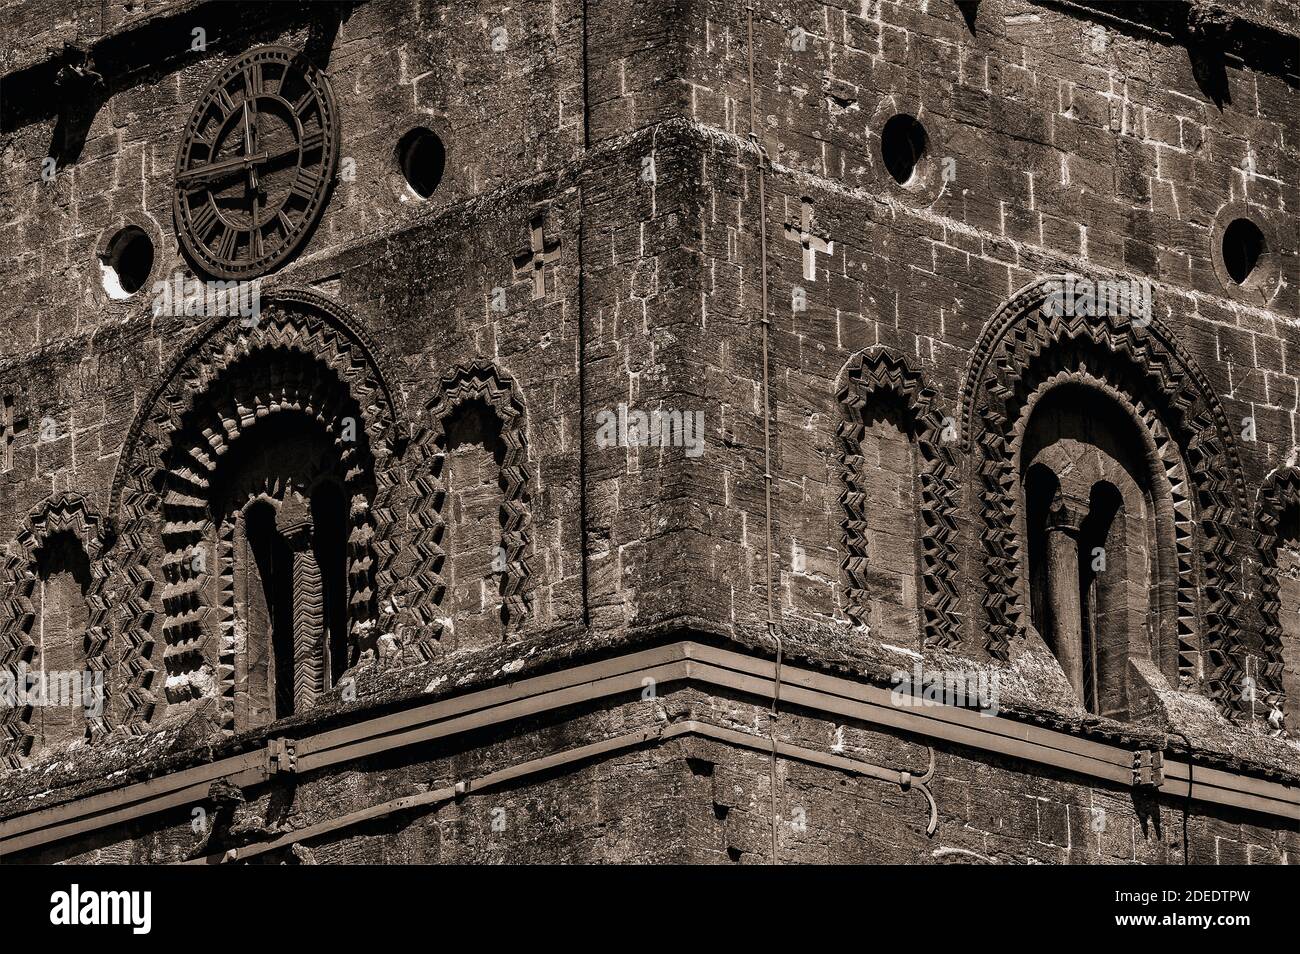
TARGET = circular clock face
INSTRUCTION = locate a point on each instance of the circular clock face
(255, 162)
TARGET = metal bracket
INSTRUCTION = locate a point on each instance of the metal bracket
(281, 756)
(906, 780)
(1148, 768)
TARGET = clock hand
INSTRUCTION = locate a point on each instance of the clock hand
(225, 165)
(248, 149)
(292, 151)
(254, 234)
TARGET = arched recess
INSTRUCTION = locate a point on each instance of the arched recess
(869, 381)
(1278, 521)
(1105, 515)
(303, 359)
(63, 515)
(1021, 348)
(484, 391)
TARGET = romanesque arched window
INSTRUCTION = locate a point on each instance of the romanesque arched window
(475, 588)
(53, 630)
(476, 492)
(265, 463)
(896, 504)
(1099, 536)
(277, 511)
(62, 618)
(1202, 638)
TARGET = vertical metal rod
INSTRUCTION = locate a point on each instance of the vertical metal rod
(765, 324)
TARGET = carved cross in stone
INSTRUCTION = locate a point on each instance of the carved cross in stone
(536, 257)
(10, 428)
(812, 244)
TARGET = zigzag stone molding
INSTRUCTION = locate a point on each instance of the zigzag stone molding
(866, 375)
(1281, 489)
(226, 378)
(426, 588)
(999, 379)
(65, 512)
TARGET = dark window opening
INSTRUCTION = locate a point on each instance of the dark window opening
(330, 542)
(1041, 488)
(129, 260)
(421, 156)
(903, 142)
(1244, 246)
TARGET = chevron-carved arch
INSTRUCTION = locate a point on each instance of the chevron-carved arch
(65, 512)
(866, 375)
(426, 587)
(1022, 345)
(305, 355)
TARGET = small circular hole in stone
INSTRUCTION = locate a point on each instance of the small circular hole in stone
(903, 142)
(1244, 246)
(421, 156)
(126, 262)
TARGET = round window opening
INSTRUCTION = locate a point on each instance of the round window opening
(903, 143)
(126, 262)
(1244, 248)
(421, 156)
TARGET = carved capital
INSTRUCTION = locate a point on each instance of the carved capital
(293, 521)
(1067, 513)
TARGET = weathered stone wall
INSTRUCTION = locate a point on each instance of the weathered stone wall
(698, 801)
(1070, 146)
(80, 365)
(1057, 142)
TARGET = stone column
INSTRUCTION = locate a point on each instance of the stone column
(294, 522)
(1063, 522)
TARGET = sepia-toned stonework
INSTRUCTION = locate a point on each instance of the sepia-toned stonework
(849, 431)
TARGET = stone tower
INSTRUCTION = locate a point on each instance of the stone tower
(649, 432)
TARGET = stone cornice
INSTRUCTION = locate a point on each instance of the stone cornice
(1159, 767)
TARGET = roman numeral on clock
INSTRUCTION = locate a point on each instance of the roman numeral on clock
(226, 247)
(253, 85)
(313, 140)
(306, 183)
(203, 219)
